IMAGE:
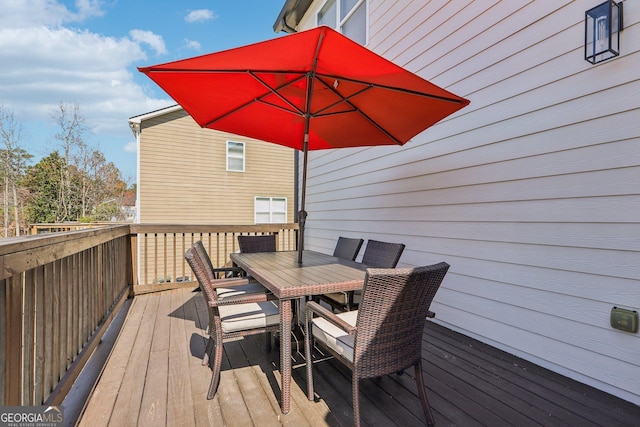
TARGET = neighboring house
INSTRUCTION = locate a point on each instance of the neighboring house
(531, 193)
(195, 176)
(128, 206)
(191, 175)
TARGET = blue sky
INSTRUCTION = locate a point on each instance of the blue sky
(87, 51)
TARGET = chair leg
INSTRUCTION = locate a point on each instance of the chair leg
(356, 401)
(207, 352)
(217, 365)
(309, 363)
(350, 305)
(423, 395)
(268, 343)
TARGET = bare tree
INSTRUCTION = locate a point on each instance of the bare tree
(100, 183)
(13, 163)
(71, 138)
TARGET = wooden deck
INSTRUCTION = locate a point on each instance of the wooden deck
(154, 377)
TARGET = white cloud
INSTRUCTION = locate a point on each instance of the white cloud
(131, 147)
(153, 40)
(27, 13)
(44, 62)
(42, 65)
(192, 44)
(89, 8)
(200, 15)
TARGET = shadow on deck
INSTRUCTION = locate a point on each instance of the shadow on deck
(154, 377)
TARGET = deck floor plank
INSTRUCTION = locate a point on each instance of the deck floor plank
(98, 415)
(179, 398)
(206, 412)
(256, 399)
(127, 405)
(557, 400)
(235, 411)
(491, 391)
(340, 410)
(153, 408)
(155, 376)
(269, 380)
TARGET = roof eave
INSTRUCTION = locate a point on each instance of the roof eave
(291, 15)
(156, 113)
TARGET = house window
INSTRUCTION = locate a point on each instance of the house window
(271, 210)
(235, 156)
(347, 16)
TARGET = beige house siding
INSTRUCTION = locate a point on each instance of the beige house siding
(183, 176)
(183, 179)
(532, 193)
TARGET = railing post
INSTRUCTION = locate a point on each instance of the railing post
(132, 263)
(13, 341)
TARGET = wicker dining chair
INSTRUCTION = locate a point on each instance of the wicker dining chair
(377, 254)
(347, 248)
(230, 317)
(260, 243)
(235, 284)
(384, 335)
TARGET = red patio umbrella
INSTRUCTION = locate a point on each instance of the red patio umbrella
(311, 90)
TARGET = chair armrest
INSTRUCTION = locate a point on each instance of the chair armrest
(314, 307)
(229, 283)
(243, 299)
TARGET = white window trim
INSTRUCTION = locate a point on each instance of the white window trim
(244, 156)
(271, 211)
(340, 22)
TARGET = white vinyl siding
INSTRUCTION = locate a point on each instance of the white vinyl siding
(328, 15)
(346, 16)
(531, 193)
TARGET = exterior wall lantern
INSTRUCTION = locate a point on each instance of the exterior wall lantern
(602, 26)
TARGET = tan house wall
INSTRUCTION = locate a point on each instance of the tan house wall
(183, 177)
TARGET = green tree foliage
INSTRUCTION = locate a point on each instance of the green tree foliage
(76, 184)
(101, 187)
(44, 184)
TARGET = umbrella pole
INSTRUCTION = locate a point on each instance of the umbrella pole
(302, 215)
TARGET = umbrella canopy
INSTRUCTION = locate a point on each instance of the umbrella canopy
(311, 90)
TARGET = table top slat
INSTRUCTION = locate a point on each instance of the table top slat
(285, 278)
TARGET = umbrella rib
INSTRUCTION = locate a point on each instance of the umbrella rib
(356, 109)
(260, 98)
(342, 100)
(394, 88)
(276, 92)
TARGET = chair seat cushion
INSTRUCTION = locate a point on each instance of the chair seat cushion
(232, 291)
(335, 338)
(339, 297)
(242, 317)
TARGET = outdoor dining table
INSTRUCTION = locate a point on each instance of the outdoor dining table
(288, 280)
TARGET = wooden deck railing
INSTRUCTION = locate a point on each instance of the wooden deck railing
(161, 249)
(56, 295)
(60, 291)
